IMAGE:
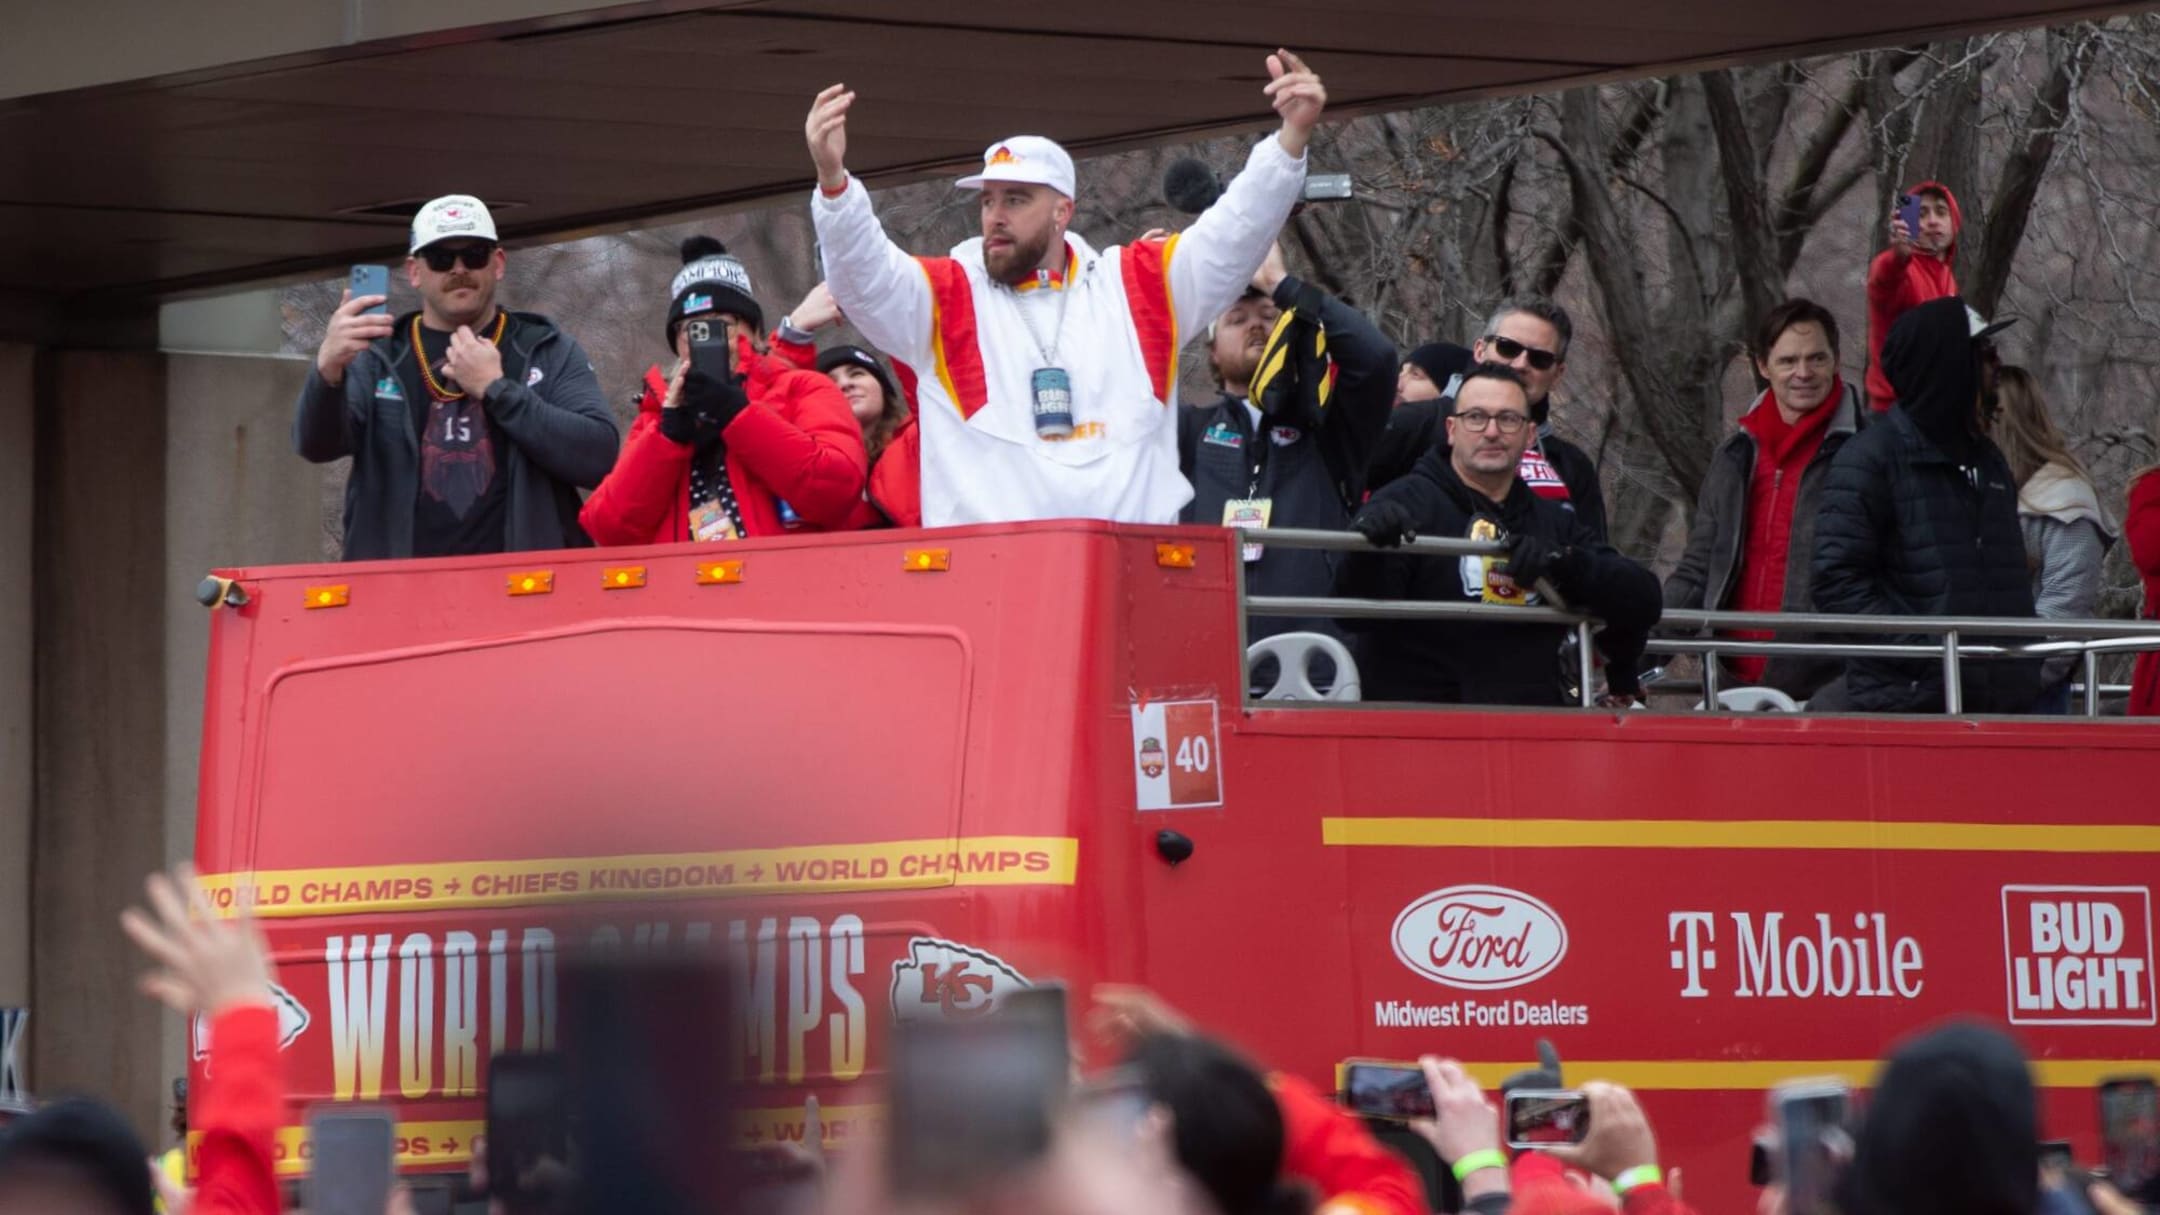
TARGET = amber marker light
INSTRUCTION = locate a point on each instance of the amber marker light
(1173, 556)
(622, 577)
(927, 560)
(328, 596)
(717, 573)
(533, 582)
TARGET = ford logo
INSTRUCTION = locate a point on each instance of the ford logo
(1480, 937)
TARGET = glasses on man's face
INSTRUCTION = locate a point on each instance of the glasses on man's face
(1476, 420)
(1509, 350)
(440, 258)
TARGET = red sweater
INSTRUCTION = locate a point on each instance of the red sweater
(1782, 452)
(796, 440)
(237, 1115)
(1327, 1146)
(2141, 527)
(1896, 285)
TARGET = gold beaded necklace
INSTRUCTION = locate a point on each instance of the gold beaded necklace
(427, 373)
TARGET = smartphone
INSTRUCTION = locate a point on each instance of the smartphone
(974, 1100)
(1376, 1089)
(1908, 209)
(350, 1160)
(1327, 187)
(1813, 1143)
(710, 350)
(372, 280)
(528, 1122)
(2056, 1154)
(1542, 1117)
(2130, 1131)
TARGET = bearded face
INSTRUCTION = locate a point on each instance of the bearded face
(1021, 225)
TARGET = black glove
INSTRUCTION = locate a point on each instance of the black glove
(715, 402)
(1535, 557)
(1386, 522)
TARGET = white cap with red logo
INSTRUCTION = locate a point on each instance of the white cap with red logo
(1028, 159)
(452, 215)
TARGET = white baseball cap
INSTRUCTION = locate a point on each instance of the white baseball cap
(1981, 327)
(452, 215)
(1029, 159)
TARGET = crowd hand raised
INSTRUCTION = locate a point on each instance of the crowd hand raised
(349, 333)
(817, 310)
(1385, 522)
(204, 964)
(826, 131)
(1463, 1121)
(1122, 1014)
(474, 362)
(1619, 1138)
(1901, 237)
(1297, 94)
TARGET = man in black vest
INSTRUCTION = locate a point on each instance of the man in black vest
(1301, 461)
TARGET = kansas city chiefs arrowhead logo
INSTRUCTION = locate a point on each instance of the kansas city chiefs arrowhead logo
(942, 980)
(292, 1021)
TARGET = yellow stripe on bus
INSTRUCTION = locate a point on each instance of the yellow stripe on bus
(1714, 1075)
(982, 860)
(1748, 834)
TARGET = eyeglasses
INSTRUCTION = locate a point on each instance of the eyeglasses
(440, 258)
(1509, 350)
(1477, 420)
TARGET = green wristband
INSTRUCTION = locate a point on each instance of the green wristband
(1640, 1175)
(1489, 1158)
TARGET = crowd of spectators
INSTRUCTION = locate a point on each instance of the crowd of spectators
(1029, 374)
(1179, 1122)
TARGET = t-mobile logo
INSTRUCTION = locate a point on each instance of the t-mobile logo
(1803, 964)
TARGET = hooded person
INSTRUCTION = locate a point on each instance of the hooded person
(766, 449)
(1918, 517)
(1915, 268)
(1952, 1128)
(1424, 393)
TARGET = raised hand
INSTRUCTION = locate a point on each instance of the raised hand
(817, 310)
(826, 132)
(1297, 94)
(205, 965)
(349, 334)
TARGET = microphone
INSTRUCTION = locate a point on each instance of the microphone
(1188, 185)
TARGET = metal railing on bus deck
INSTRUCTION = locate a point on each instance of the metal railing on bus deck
(2090, 639)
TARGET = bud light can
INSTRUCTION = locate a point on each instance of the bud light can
(1053, 403)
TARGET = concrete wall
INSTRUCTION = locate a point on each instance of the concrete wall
(100, 743)
(18, 464)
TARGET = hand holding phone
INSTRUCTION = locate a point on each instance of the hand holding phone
(711, 351)
(1395, 1091)
(2130, 1132)
(1907, 216)
(1547, 1117)
(1813, 1143)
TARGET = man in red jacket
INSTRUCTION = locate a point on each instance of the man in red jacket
(1915, 268)
(770, 450)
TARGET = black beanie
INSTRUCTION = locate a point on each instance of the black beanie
(1952, 1128)
(87, 1142)
(1440, 361)
(856, 356)
(711, 280)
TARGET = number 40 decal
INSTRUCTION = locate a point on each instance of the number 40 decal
(1175, 745)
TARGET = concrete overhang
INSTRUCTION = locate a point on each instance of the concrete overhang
(264, 138)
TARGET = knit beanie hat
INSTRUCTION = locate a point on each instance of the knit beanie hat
(1440, 361)
(712, 280)
(856, 356)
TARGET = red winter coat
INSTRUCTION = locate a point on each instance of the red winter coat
(1895, 285)
(242, 1101)
(2141, 527)
(796, 440)
(1354, 1173)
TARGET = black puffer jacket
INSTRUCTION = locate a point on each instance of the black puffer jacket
(1919, 518)
(1489, 661)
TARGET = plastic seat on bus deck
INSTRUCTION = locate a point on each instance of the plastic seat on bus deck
(1293, 654)
(1754, 700)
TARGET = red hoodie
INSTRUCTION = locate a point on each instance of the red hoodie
(1895, 285)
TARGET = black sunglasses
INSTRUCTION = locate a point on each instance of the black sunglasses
(1509, 350)
(440, 258)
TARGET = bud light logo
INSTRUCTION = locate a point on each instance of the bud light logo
(2079, 955)
(1480, 937)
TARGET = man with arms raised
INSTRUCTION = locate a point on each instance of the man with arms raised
(471, 428)
(1048, 368)
(1472, 489)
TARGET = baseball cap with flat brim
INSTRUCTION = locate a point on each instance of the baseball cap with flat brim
(1984, 328)
(1026, 159)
